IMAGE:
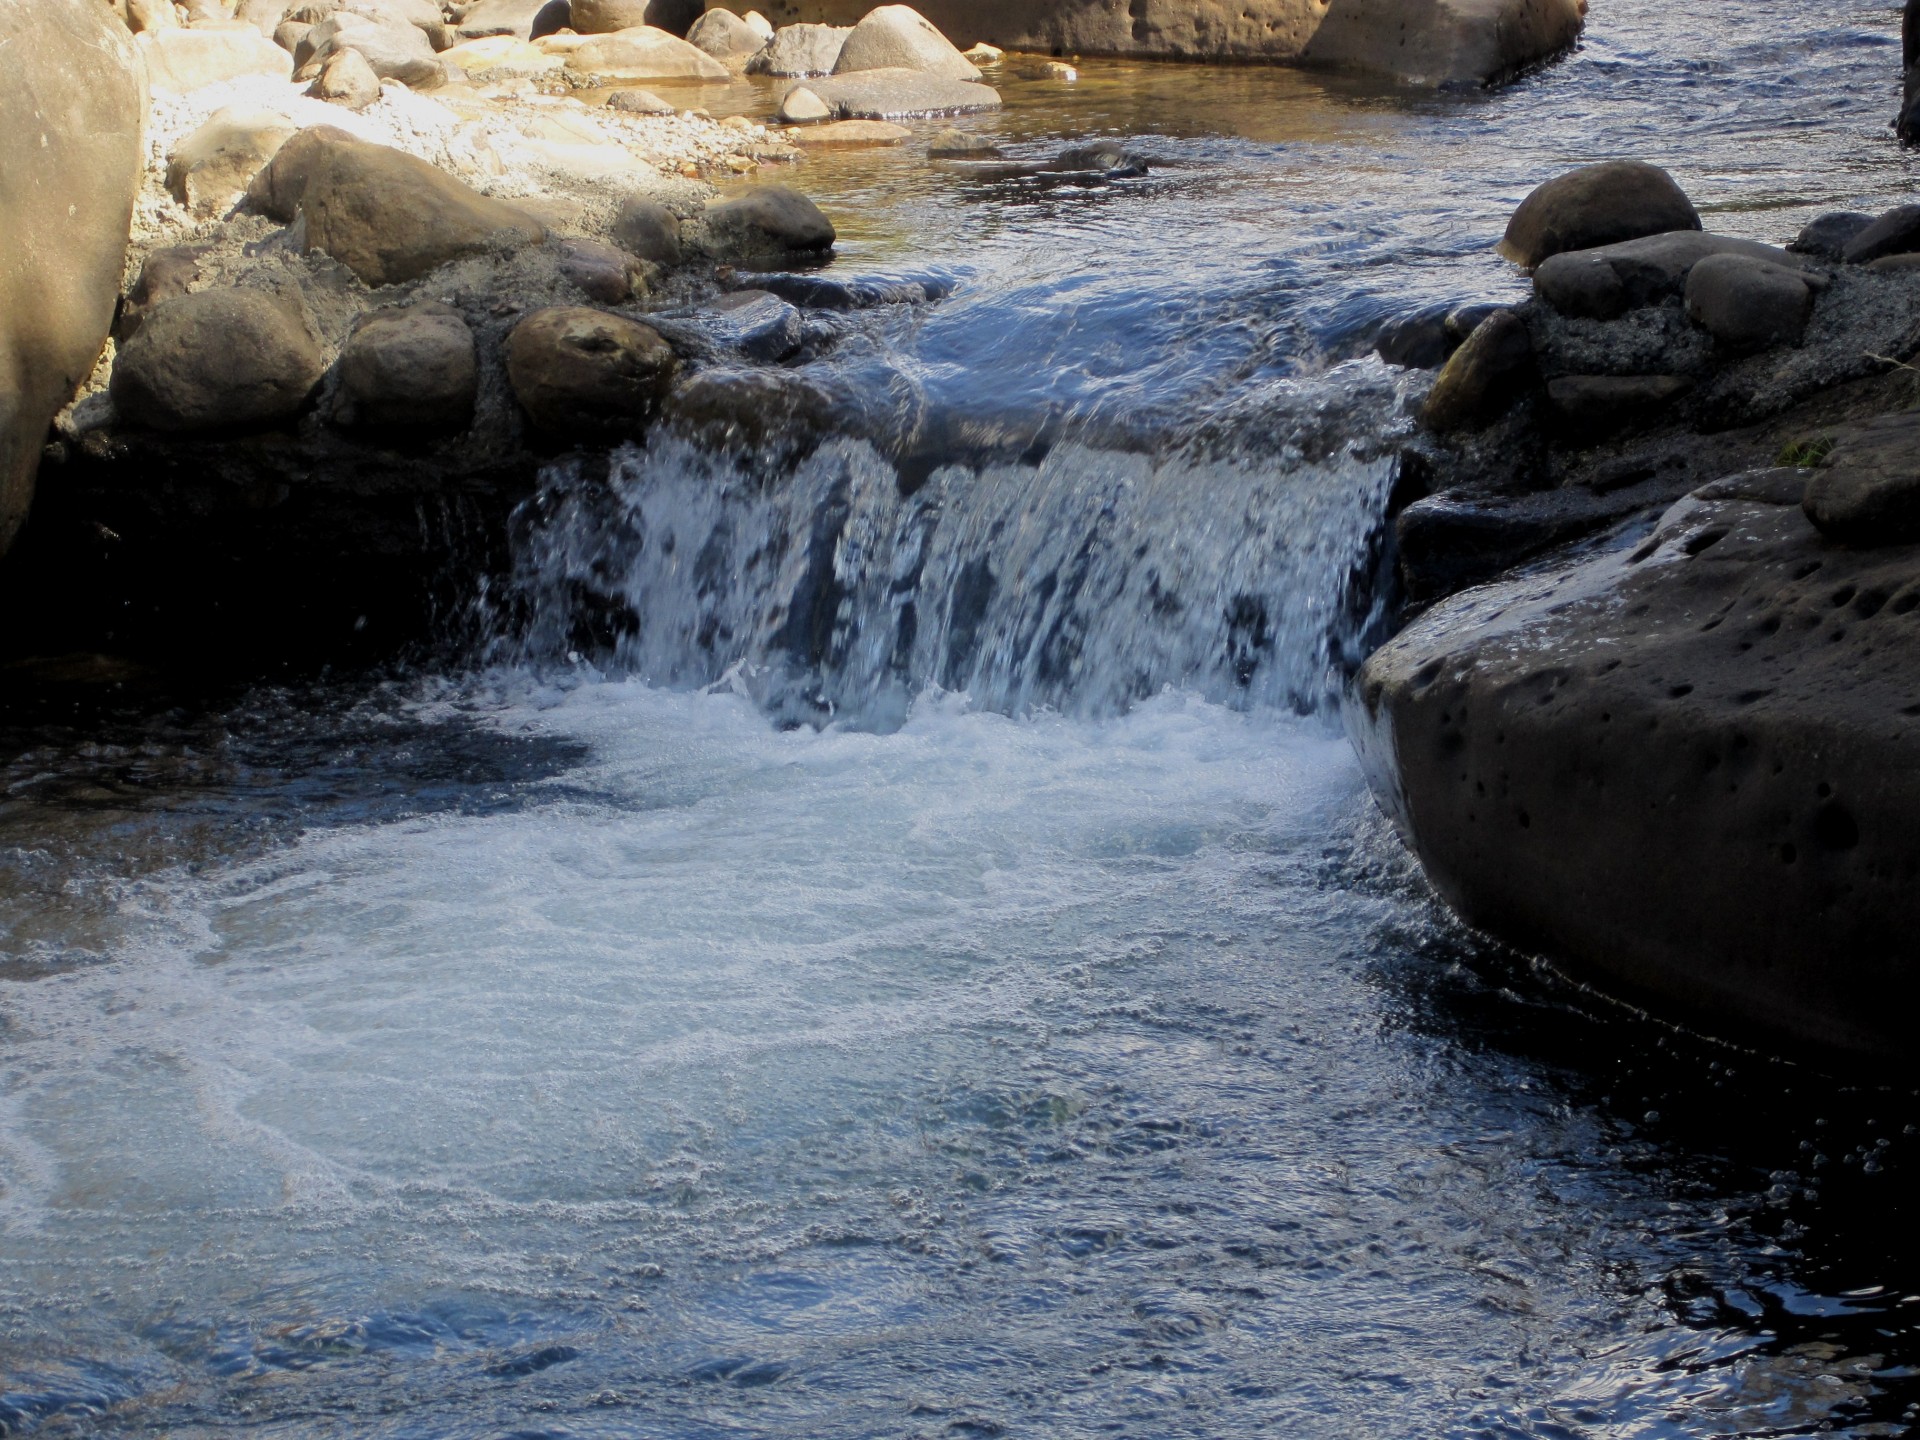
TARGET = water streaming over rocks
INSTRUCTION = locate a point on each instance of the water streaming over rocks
(1032, 1030)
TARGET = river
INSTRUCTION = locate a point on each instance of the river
(900, 947)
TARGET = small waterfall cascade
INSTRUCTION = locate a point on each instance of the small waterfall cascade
(1241, 563)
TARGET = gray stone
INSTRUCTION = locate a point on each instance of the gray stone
(1603, 283)
(522, 19)
(1748, 304)
(726, 37)
(639, 102)
(179, 62)
(959, 145)
(899, 94)
(800, 106)
(850, 134)
(768, 221)
(1868, 493)
(73, 86)
(648, 229)
(1826, 237)
(584, 372)
(1607, 404)
(601, 272)
(642, 54)
(209, 170)
(412, 369)
(800, 50)
(163, 274)
(1895, 233)
(382, 213)
(217, 360)
(393, 50)
(1596, 205)
(604, 17)
(1108, 158)
(898, 37)
(346, 79)
(1690, 770)
(291, 35)
(1484, 377)
(1583, 284)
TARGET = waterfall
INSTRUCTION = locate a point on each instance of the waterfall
(1239, 563)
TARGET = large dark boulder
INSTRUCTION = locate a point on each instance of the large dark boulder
(217, 361)
(71, 110)
(1596, 205)
(1868, 492)
(1691, 767)
(581, 373)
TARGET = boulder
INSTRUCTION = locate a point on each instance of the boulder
(643, 53)
(639, 102)
(800, 50)
(1747, 303)
(603, 17)
(1895, 233)
(208, 171)
(181, 61)
(647, 229)
(769, 221)
(346, 79)
(163, 274)
(149, 15)
(898, 94)
(217, 360)
(756, 407)
(1826, 237)
(599, 271)
(394, 51)
(412, 369)
(1690, 769)
(1484, 377)
(898, 37)
(1868, 492)
(522, 19)
(843, 134)
(74, 91)
(1601, 284)
(382, 213)
(759, 24)
(959, 145)
(499, 57)
(800, 106)
(725, 36)
(1107, 158)
(1596, 205)
(583, 372)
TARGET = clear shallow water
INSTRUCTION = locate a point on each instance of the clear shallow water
(494, 1055)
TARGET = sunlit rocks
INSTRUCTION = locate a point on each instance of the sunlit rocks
(898, 37)
(578, 371)
(1596, 205)
(642, 53)
(725, 36)
(210, 170)
(411, 369)
(898, 94)
(769, 221)
(346, 79)
(647, 229)
(801, 50)
(180, 61)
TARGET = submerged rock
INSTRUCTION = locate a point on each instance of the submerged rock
(217, 360)
(1596, 205)
(582, 373)
(413, 369)
(850, 134)
(959, 145)
(753, 323)
(1678, 768)
(899, 94)
(644, 53)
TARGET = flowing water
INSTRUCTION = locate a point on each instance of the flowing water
(889, 942)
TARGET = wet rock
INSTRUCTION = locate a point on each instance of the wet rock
(382, 213)
(601, 272)
(899, 94)
(413, 369)
(830, 292)
(163, 275)
(1868, 493)
(1895, 233)
(726, 37)
(208, 171)
(800, 50)
(217, 360)
(584, 372)
(1747, 303)
(898, 37)
(649, 230)
(522, 19)
(604, 17)
(181, 61)
(643, 53)
(1590, 405)
(1827, 236)
(1484, 377)
(1107, 158)
(752, 323)
(801, 106)
(1420, 341)
(346, 79)
(1690, 768)
(768, 221)
(393, 50)
(1604, 283)
(639, 102)
(73, 84)
(851, 134)
(1596, 205)
(755, 407)
(959, 145)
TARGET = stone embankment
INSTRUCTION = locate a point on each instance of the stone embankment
(1679, 745)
